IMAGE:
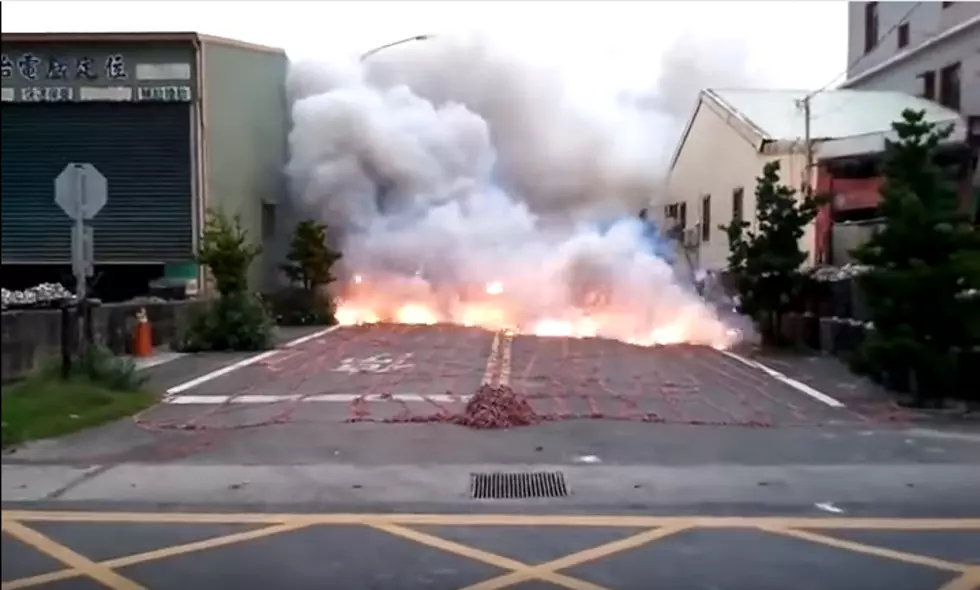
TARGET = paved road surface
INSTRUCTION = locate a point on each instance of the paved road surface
(180, 551)
(353, 421)
(421, 373)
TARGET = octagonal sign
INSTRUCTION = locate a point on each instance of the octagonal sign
(81, 190)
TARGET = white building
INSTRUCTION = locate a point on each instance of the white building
(732, 134)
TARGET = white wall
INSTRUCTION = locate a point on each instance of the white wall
(716, 160)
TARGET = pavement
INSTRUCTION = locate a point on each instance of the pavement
(648, 465)
(179, 550)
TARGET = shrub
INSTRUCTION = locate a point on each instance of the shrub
(924, 269)
(298, 307)
(236, 320)
(101, 367)
(308, 266)
(231, 322)
(765, 263)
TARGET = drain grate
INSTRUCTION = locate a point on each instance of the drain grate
(503, 486)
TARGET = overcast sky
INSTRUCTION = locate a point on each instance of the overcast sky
(789, 44)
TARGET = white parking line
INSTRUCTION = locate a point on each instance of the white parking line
(178, 389)
(797, 385)
(345, 398)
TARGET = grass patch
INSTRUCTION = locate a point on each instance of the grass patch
(101, 389)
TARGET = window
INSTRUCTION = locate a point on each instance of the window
(949, 86)
(870, 26)
(927, 81)
(903, 35)
(682, 216)
(706, 218)
(738, 198)
(268, 220)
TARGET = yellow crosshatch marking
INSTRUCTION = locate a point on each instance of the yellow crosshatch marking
(14, 523)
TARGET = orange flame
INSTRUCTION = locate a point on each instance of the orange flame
(490, 308)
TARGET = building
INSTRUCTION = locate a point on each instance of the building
(928, 49)
(177, 123)
(732, 134)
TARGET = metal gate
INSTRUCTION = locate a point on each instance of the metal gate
(144, 151)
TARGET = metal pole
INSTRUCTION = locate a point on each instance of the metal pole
(80, 278)
(808, 146)
(80, 234)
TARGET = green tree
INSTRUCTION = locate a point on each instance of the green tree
(765, 262)
(227, 252)
(310, 259)
(236, 320)
(923, 264)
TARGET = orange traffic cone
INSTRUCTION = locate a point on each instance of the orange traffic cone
(142, 336)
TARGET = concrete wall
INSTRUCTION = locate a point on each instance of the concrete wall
(33, 337)
(715, 160)
(926, 23)
(245, 139)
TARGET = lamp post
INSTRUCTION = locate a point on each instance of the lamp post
(371, 52)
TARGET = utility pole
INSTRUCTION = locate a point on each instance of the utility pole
(807, 145)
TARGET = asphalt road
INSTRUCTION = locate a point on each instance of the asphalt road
(826, 480)
(186, 550)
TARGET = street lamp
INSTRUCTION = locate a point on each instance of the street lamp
(371, 52)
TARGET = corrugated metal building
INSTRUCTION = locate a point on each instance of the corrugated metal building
(176, 122)
(732, 134)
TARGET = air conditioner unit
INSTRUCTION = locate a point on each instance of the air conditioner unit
(692, 237)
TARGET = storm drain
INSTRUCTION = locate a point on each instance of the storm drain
(503, 486)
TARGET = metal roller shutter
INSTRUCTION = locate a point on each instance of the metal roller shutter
(144, 151)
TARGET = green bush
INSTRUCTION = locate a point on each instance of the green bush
(298, 307)
(924, 268)
(765, 262)
(236, 320)
(99, 366)
(231, 322)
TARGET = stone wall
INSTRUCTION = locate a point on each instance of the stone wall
(30, 337)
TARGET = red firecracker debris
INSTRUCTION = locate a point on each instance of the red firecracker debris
(497, 407)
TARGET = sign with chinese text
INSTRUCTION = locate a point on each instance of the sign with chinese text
(129, 73)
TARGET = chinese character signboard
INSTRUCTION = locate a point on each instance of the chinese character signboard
(68, 73)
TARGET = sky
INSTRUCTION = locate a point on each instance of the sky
(607, 43)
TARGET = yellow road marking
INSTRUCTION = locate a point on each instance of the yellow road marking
(76, 561)
(78, 565)
(568, 520)
(505, 346)
(156, 554)
(486, 557)
(605, 550)
(856, 547)
(970, 580)
(488, 373)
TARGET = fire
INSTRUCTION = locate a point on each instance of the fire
(414, 313)
(490, 308)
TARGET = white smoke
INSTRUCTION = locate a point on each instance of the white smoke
(447, 164)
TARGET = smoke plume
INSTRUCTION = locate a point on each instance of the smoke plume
(465, 185)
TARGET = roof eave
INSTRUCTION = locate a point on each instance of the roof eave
(733, 118)
(134, 37)
(872, 143)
